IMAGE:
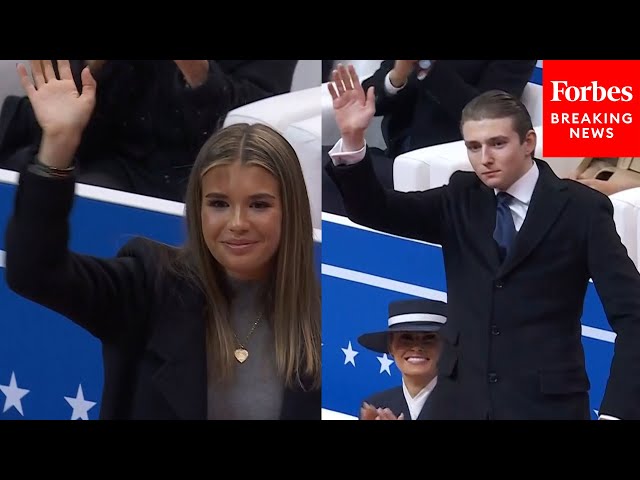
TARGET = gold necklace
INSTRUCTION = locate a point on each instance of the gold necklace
(242, 353)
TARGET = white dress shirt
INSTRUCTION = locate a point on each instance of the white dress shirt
(346, 156)
(390, 89)
(521, 191)
(416, 403)
(388, 86)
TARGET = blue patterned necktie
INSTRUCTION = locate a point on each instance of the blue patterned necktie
(505, 230)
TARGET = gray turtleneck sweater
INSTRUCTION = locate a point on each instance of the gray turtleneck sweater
(256, 390)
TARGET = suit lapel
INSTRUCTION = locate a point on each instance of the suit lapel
(179, 340)
(397, 403)
(403, 406)
(424, 413)
(483, 220)
(547, 202)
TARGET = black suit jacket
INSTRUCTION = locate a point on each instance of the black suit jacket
(150, 323)
(393, 399)
(429, 110)
(513, 346)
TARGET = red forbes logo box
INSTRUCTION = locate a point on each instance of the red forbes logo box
(591, 108)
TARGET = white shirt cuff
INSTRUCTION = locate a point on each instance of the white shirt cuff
(607, 417)
(339, 157)
(388, 86)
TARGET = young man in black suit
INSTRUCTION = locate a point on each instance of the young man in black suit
(421, 104)
(519, 247)
(412, 340)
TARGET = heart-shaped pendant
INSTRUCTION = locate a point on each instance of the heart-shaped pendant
(241, 354)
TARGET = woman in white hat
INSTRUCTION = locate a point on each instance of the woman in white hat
(413, 341)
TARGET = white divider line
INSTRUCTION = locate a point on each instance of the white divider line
(8, 176)
(381, 282)
(334, 415)
(113, 196)
(418, 291)
(598, 334)
(126, 199)
(344, 221)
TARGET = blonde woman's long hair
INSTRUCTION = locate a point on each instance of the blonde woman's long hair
(292, 300)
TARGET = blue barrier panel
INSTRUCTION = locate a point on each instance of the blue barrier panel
(362, 272)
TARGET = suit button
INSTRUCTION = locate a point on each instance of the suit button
(495, 330)
(499, 284)
(493, 377)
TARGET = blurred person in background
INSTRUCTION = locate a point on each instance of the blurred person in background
(422, 107)
(151, 118)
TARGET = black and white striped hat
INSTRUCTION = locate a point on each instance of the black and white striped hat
(420, 315)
